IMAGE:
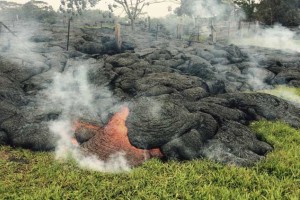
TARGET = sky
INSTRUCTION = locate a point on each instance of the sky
(155, 10)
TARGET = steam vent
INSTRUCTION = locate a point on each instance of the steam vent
(149, 98)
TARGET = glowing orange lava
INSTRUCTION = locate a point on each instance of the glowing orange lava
(113, 138)
(74, 142)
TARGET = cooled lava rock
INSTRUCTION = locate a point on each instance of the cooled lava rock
(186, 102)
(197, 129)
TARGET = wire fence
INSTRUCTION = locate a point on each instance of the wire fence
(204, 29)
(216, 30)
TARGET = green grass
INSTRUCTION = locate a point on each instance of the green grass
(36, 175)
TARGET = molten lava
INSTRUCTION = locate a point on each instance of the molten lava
(113, 138)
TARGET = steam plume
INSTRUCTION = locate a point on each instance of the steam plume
(73, 96)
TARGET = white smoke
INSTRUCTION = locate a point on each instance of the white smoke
(65, 149)
(277, 37)
(18, 47)
(209, 8)
(285, 92)
(73, 96)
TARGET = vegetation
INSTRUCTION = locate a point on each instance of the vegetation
(133, 9)
(72, 7)
(208, 8)
(32, 10)
(37, 175)
(7, 5)
(269, 12)
(38, 10)
(286, 12)
(248, 6)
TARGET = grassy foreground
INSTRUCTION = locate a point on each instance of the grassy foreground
(35, 175)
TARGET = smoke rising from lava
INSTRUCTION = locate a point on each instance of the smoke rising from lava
(208, 8)
(277, 37)
(73, 96)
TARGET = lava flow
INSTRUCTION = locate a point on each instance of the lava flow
(113, 138)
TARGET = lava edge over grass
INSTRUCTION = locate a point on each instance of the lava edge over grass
(37, 175)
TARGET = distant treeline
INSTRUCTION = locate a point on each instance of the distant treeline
(269, 12)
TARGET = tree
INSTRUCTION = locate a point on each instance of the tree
(204, 8)
(9, 9)
(38, 10)
(72, 7)
(286, 12)
(133, 8)
(249, 7)
(4, 5)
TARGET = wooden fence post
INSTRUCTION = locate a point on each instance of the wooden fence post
(256, 26)
(198, 33)
(229, 29)
(68, 39)
(213, 32)
(149, 23)
(157, 27)
(179, 30)
(240, 28)
(118, 36)
(249, 26)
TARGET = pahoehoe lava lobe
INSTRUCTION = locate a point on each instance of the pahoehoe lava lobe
(214, 127)
(154, 122)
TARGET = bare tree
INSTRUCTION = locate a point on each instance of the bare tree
(133, 8)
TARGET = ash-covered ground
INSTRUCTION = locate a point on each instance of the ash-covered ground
(190, 100)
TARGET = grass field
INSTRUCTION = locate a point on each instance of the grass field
(37, 175)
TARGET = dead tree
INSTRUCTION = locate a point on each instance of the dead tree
(133, 8)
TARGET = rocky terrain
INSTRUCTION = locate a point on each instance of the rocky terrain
(188, 100)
